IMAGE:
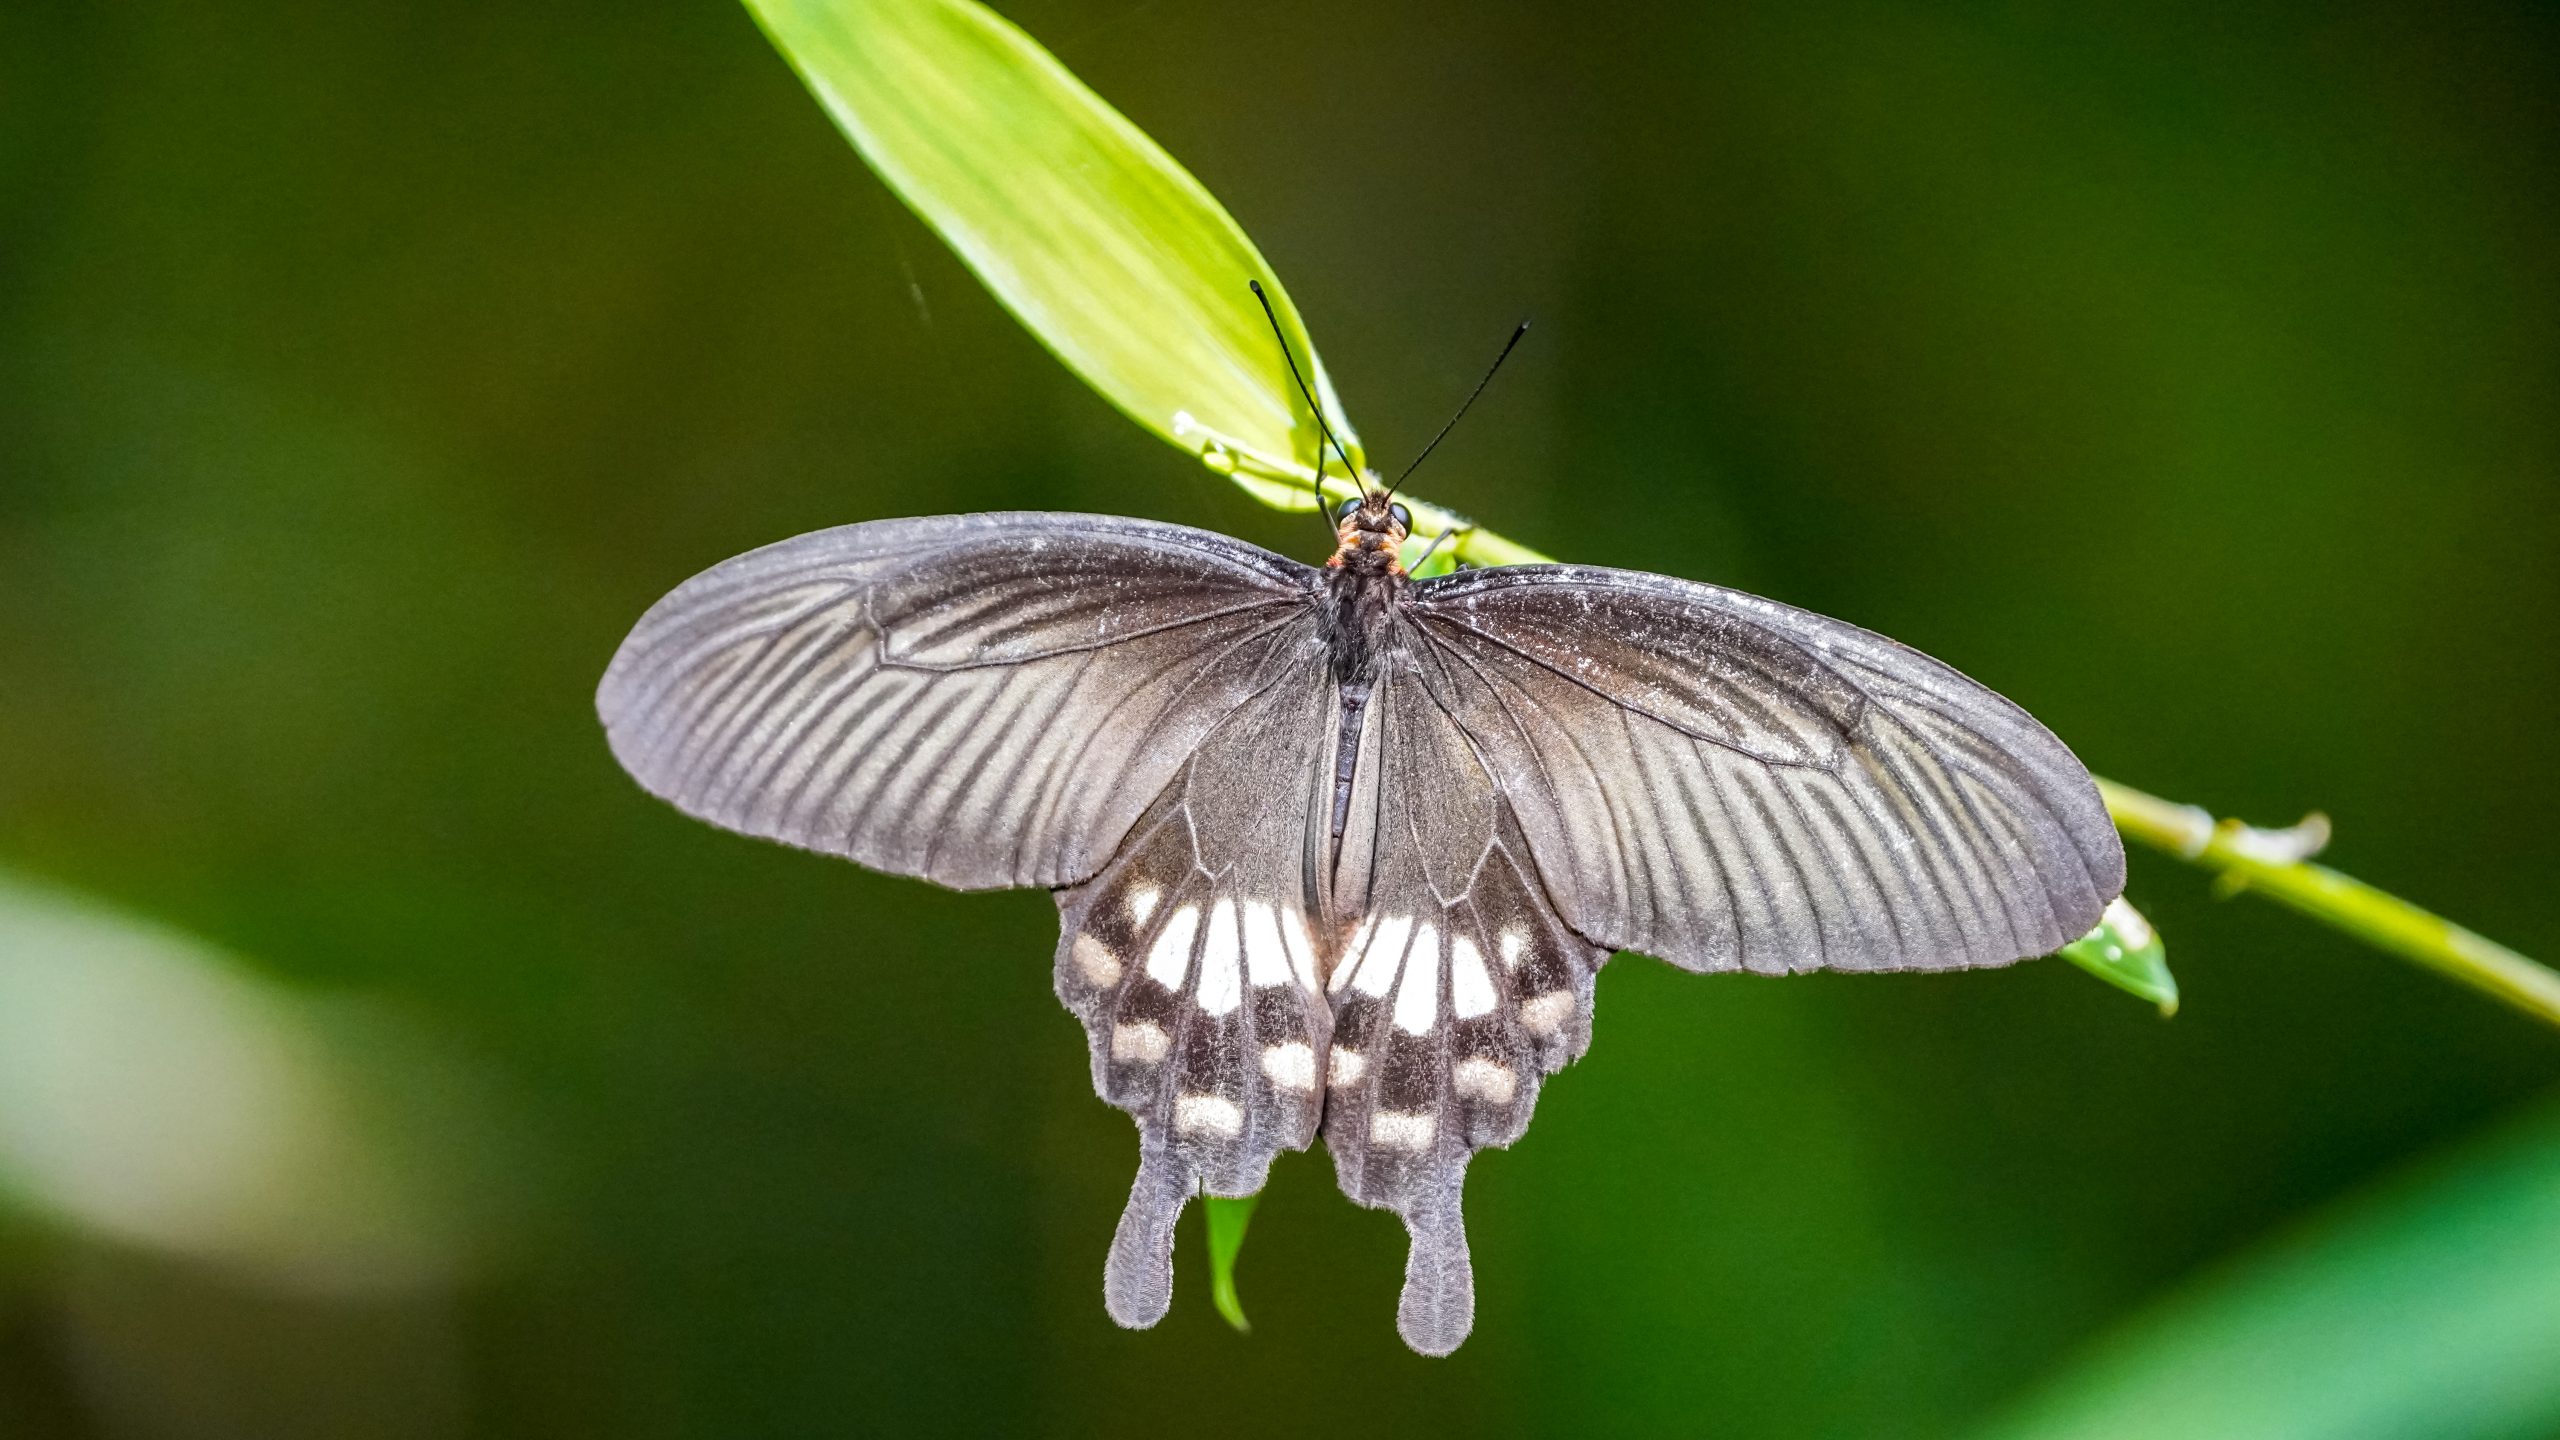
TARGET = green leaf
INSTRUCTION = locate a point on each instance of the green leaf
(1108, 250)
(158, 1094)
(2430, 1311)
(2126, 952)
(1227, 1219)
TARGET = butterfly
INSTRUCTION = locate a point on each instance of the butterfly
(1338, 851)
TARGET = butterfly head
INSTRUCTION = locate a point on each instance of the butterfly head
(1370, 529)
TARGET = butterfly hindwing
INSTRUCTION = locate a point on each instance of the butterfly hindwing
(1192, 960)
(1460, 989)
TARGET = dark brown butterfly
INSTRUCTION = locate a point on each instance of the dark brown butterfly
(1339, 851)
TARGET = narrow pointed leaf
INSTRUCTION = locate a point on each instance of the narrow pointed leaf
(1227, 1219)
(2126, 952)
(1109, 251)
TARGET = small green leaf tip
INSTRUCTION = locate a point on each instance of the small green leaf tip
(1227, 1219)
(2126, 952)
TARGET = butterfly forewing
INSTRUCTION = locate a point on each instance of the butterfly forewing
(1730, 783)
(979, 700)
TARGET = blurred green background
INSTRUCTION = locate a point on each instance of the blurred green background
(2189, 373)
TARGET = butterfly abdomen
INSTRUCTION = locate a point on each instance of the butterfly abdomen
(1346, 762)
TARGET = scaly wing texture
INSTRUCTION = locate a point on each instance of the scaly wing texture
(1734, 784)
(1192, 960)
(979, 700)
(1461, 989)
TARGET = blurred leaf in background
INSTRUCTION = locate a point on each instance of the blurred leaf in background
(180, 1138)
(154, 1095)
(2430, 1309)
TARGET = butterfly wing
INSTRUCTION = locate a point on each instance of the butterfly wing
(1192, 960)
(1125, 711)
(1571, 761)
(1734, 784)
(979, 700)
(1461, 988)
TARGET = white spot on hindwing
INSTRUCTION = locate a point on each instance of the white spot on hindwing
(1418, 999)
(1470, 988)
(1142, 902)
(1346, 1067)
(1266, 959)
(1170, 958)
(1403, 1129)
(1378, 964)
(1302, 948)
(1542, 1015)
(1291, 1066)
(1095, 962)
(1141, 1042)
(1488, 1080)
(1514, 941)
(1221, 963)
(1207, 1115)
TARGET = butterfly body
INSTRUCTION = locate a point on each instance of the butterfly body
(1340, 852)
(1363, 584)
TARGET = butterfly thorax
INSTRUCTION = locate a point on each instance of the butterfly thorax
(1362, 582)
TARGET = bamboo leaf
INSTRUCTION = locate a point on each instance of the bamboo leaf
(1095, 238)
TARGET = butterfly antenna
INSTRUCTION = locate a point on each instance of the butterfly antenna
(1312, 407)
(1489, 373)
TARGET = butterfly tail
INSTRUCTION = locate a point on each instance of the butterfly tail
(1438, 1306)
(1137, 1280)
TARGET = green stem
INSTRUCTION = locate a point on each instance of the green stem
(2251, 859)
(2273, 863)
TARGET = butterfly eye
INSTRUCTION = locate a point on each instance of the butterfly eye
(1403, 517)
(1347, 508)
